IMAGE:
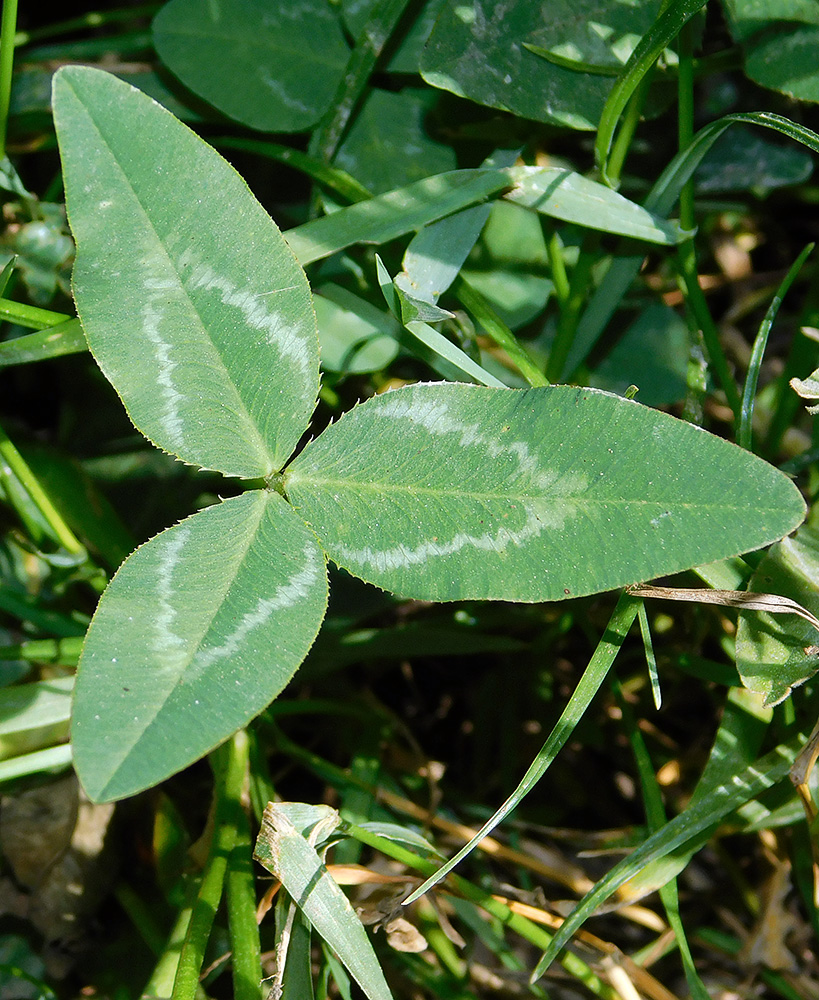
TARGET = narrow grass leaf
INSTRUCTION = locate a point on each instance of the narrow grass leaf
(651, 661)
(495, 328)
(709, 810)
(53, 342)
(451, 492)
(744, 429)
(289, 57)
(436, 255)
(402, 306)
(560, 193)
(593, 676)
(34, 715)
(664, 30)
(199, 630)
(187, 312)
(52, 760)
(571, 197)
(660, 201)
(288, 853)
(395, 213)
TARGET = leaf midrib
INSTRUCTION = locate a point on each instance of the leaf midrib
(326, 484)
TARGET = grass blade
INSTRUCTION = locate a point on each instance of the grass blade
(593, 676)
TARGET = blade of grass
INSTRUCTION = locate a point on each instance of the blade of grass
(335, 179)
(390, 215)
(52, 342)
(430, 337)
(625, 266)
(93, 19)
(12, 465)
(51, 760)
(30, 316)
(570, 312)
(662, 32)
(230, 764)
(651, 661)
(64, 652)
(746, 416)
(471, 299)
(707, 811)
(8, 29)
(620, 622)
(241, 898)
(382, 21)
(656, 819)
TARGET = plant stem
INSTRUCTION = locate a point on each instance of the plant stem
(13, 464)
(230, 766)
(571, 309)
(8, 29)
(93, 19)
(381, 23)
(686, 254)
(241, 898)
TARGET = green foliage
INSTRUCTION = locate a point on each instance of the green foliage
(438, 492)
(303, 426)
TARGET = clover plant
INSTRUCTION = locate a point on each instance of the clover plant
(199, 313)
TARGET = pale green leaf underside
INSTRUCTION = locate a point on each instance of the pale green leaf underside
(198, 631)
(450, 492)
(771, 656)
(203, 325)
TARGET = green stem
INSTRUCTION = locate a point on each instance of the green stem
(8, 29)
(494, 326)
(572, 308)
(686, 253)
(93, 19)
(381, 23)
(554, 250)
(241, 898)
(161, 982)
(685, 117)
(332, 177)
(12, 464)
(628, 126)
(230, 765)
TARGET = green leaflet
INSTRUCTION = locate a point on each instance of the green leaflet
(205, 328)
(450, 492)
(476, 49)
(200, 629)
(779, 41)
(776, 653)
(289, 57)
